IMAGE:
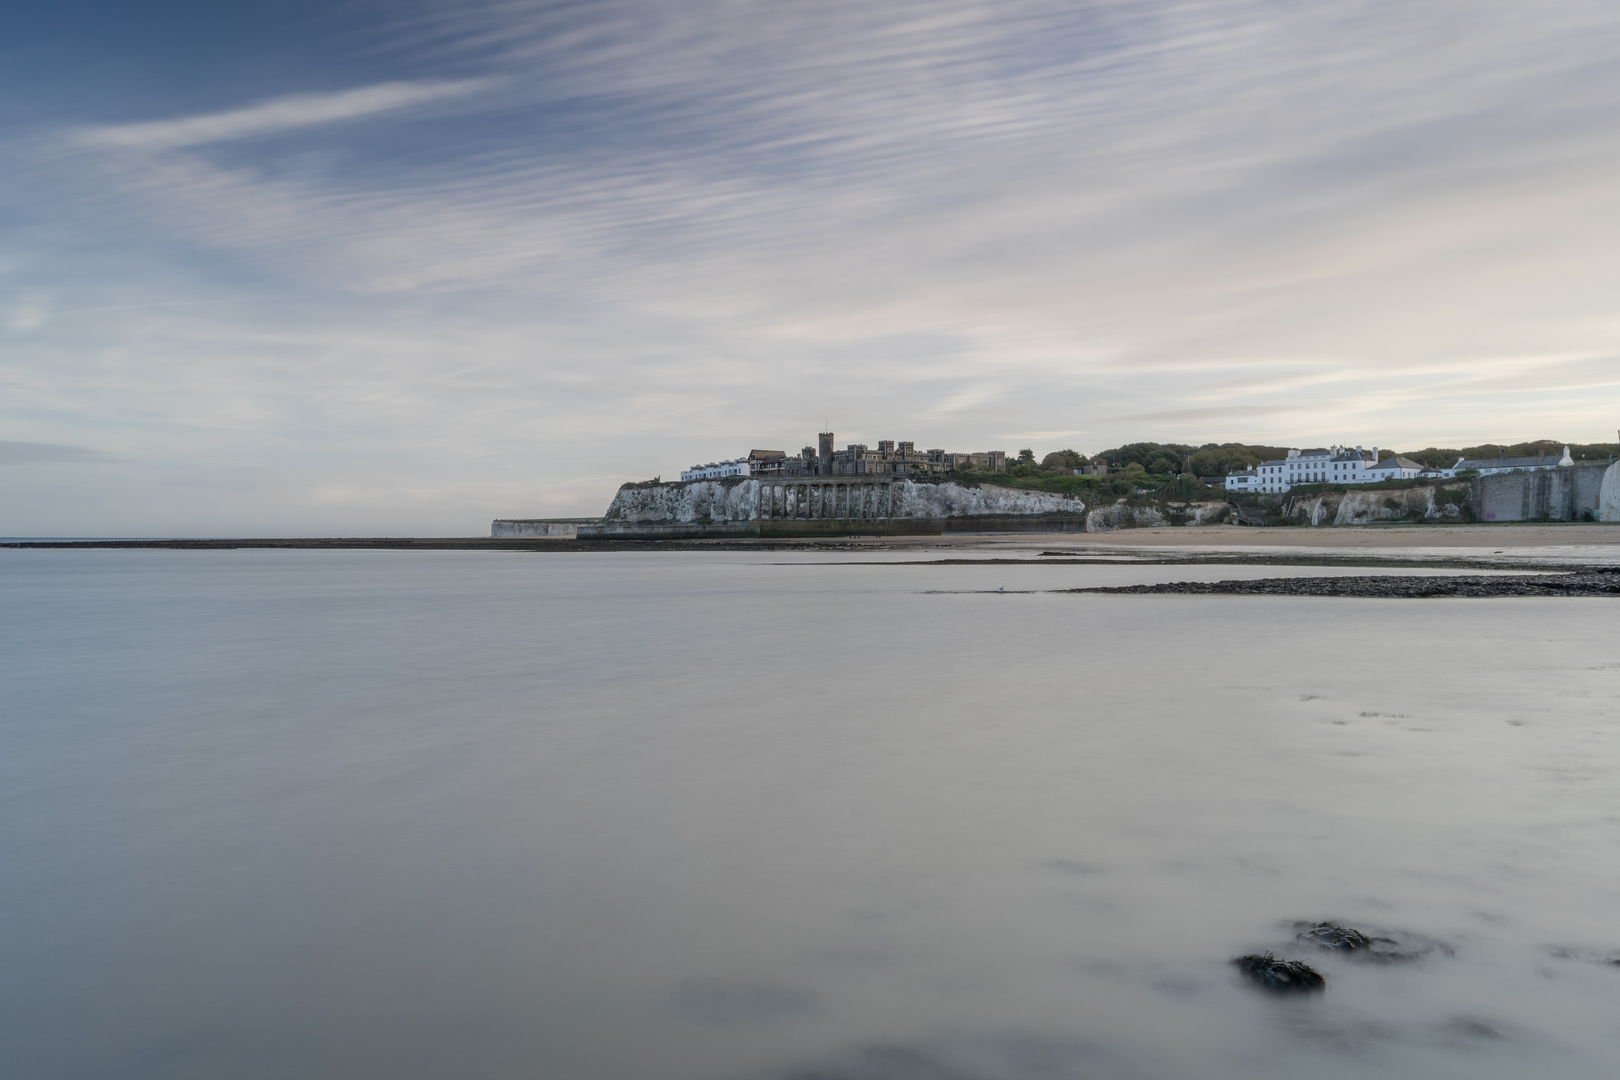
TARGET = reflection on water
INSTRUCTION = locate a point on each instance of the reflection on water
(332, 814)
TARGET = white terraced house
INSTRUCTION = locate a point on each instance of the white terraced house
(1335, 465)
(714, 470)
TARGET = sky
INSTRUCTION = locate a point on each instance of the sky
(360, 267)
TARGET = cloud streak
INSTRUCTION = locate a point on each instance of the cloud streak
(36, 453)
(278, 116)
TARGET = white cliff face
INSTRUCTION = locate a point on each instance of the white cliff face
(1609, 499)
(1119, 515)
(695, 501)
(956, 500)
(735, 501)
(1361, 507)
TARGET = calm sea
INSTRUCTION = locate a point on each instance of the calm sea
(336, 815)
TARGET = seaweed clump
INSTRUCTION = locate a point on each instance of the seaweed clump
(1282, 976)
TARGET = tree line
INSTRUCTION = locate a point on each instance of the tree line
(1219, 459)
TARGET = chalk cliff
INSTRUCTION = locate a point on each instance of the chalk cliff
(949, 500)
(730, 500)
(731, 507)
(1609, 498)
(1120, 515)
(1442, 502)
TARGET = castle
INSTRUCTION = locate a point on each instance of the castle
(896, 459)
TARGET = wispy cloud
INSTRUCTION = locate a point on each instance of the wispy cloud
(278, 116)
(37, 453)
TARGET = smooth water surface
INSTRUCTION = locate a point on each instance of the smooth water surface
(330, 815)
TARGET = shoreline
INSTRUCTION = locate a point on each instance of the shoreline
(1189, 543)
(1347, 544)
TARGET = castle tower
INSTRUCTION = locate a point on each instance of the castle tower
(825, 438)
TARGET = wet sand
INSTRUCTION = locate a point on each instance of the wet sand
(1489, 537)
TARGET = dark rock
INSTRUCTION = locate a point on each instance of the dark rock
(1283, 976)
(1376, 947)
(1588, 582)
(1330, 935)
(1592, 956)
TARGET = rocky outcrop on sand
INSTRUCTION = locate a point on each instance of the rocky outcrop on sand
(1391, 586)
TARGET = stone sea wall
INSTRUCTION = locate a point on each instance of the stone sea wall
(559, 530)
(1571, 493)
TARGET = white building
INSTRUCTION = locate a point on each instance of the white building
(714, 470)
(1487, 466)
(1335, 465)
(1242, 480)
(1395, 468)
(757, 463)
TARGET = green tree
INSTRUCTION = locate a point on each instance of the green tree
(1063, 460)
(1145, 454)
(1220, 459)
